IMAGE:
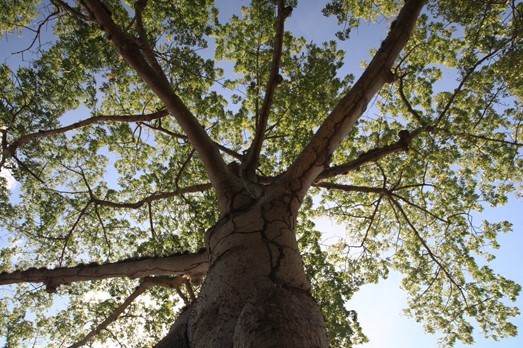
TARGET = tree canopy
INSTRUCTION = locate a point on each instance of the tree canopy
(122, 122)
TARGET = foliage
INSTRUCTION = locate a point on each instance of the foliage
(110, 189)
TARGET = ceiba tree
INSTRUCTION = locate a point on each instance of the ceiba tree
(163, 155)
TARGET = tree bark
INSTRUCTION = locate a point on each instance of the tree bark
(256, 293)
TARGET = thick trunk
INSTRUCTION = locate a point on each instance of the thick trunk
(256, 293)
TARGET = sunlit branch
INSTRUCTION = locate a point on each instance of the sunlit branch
(251, 160)
(151, 198)
(192, 265)
(182, 296)
(316, 155)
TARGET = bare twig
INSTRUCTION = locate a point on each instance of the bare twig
(37, 32)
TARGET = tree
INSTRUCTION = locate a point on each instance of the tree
(164, 155)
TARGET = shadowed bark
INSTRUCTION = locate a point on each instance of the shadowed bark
(192, 265)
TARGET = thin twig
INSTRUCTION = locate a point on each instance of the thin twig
(113, 316)
(153, 197)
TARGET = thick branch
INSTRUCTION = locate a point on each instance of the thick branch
(402, 144)
(192, 265)
(316, 155)
(10, 149)
(222, 180)
(274, 78)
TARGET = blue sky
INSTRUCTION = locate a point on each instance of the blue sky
(380, 306)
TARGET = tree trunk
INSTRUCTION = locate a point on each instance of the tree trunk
(256, 293)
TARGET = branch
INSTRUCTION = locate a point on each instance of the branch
(222, 180)
(10, 149)
(169, 282)
(222, 148)
(194, 266)
(151, 198)
(467, 75)
(429, 250)
(402, 144)
(37, 32)
(64, 6)
(253, 153)
(139, 6)
(407, 103)
(114, 315)
(352, 188)
(69, 235)
(382, 191)
(189, 288)
(478, 136)
(317, 153)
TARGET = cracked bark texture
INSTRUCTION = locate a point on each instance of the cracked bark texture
(256, 293)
